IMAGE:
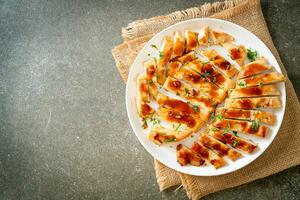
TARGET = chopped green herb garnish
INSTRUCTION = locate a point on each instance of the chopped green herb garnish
(242, 84)
(195, 108)
(214, 80)
(235, 143)
(167, 71)
(214, 129)
(151, 82)
(255, 125)
(252, 54)
(161, 54)
(155, 121)
(228, 125)
(140, 115)
(218, 116)
(177, 93)
(261, 84)
(148, 54)
(186, 91)
(177, 128)
(145, 125)
(206, 143)
(152, 120)
(212, 117)
(206, 74)
(235, 133)
(228, 130)
(169, 140)
(154, 46)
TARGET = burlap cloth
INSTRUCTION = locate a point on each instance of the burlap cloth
(283, 153)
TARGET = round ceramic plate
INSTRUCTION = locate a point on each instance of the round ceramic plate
(166, 154)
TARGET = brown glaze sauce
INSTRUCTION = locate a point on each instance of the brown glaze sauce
(212, 75)
(216, 34)
(236, 113)
(264, 131)
(178, 48)
(144, 87)
(192, 41)
(145, 109)
(186, 58)
(243, 124)
(254, 68)
(179, 105)
(181, 117)
(167, 55)
(200, 150)
(251, 91)
(175, 84)
(186, 156)
(222, 63)
(173, 67)
(229, 139)
(225, 123)
(183, 156)
(214, 145)
(194, 77)
(245, 103)
(257, 80)
(235, 53)
(150, 70)
(222, 124)
(207, 102)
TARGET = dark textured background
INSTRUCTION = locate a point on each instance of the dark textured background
(64, 132)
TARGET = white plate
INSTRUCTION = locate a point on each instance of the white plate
(167, 154)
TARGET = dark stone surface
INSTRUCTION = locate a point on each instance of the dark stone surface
(64, 132)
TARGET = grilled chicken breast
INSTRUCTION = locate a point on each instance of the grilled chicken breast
(256, 67)
(252, 103)
(219, 147)
(201, 83)
(253, 128)
(232, 140)
(220, 63)
(208, 155)
(261, 116)
(257, 91)
(186, 156)
(261, 79)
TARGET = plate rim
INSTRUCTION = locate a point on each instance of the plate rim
(135, 63)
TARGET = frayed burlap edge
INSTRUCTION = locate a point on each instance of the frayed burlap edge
(153, 25)
(165, 176)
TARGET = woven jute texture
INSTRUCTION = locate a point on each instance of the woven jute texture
(283, 153)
